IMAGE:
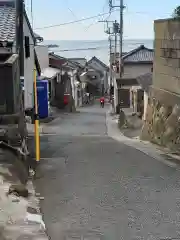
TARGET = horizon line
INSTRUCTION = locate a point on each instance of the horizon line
(96, 39)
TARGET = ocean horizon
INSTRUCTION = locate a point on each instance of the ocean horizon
(89, 48)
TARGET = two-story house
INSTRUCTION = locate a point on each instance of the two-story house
(101, 67)
(135, 63)
(68, 85)
(8, 45)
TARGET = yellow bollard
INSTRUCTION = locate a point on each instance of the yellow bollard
(36, 125)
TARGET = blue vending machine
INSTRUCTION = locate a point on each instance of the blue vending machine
(42, 97)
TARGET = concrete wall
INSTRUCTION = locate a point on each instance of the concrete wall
(42, 54)
(135, 70)
(28, 70)
(166, 74)
(162, 122)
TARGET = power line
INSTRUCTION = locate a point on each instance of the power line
(89, 18)
(75, 21)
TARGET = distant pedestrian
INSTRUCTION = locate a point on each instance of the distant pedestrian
(87, 98)
(102, 100)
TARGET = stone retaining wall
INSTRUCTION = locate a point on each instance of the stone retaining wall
(162, 125)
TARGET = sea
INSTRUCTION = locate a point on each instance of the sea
(89, 48)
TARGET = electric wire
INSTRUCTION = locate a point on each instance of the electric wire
(89, 18)
(75, 21)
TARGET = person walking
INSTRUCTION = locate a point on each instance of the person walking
(87, 98)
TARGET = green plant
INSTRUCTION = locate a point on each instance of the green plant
(176, 13)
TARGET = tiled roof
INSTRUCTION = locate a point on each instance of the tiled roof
(99, 61)
(81, 61)
(65, 61)
(140, 54)
(7, 24)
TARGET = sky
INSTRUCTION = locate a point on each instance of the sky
(138, 18)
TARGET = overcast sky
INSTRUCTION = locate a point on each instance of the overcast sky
(138, 18)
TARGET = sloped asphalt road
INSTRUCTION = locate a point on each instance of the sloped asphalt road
(96, 188)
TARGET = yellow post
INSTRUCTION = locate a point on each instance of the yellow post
(36, 125)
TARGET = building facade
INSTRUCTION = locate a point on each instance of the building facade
(162, 124)
(137, 62)
(8, 45)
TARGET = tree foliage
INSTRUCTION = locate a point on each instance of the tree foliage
(176, 13)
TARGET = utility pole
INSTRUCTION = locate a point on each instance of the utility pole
(20, 35)
(110, 60)
(121, 7)
(109, 32)
(112, 31)
(115, 31)
(121, 39)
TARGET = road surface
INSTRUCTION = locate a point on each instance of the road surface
(96, 188)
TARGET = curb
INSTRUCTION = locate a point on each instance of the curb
(146, 147)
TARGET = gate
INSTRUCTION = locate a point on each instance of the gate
(124, 98)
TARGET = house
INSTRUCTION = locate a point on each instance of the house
(163, 111)
(80, 61)
(91, 82)
(135, 63)
(69, 84)
(52, 74)
(8, 45)
(141, 95)
(103, 69)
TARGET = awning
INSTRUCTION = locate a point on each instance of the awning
(49, 72)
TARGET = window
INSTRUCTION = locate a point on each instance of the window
(27, 47)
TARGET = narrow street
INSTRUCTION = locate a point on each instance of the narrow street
(96, 188)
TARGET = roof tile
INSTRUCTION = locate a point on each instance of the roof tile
(141, 54)
(7, 24)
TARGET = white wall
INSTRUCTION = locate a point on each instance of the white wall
(145, 104)
(5, 50)
(42, 54)
(28, 70)
(74, 88)
(133, 71)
